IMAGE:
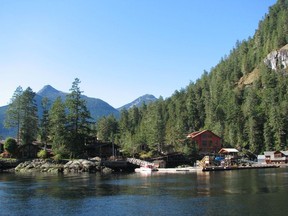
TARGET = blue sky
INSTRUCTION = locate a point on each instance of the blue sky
(119, 49)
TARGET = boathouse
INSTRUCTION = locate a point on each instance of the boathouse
(230, 156)
(207, 141)
(276, 157)
(229, 151)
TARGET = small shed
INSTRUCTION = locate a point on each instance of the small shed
(28, 151)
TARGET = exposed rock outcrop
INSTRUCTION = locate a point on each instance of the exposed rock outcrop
(40, 165)
(83, 165)
(277, 59)
(248, 79)
(73, 166)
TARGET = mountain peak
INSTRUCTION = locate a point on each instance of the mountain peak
(47, 89)
(147, 98)
(51, 93)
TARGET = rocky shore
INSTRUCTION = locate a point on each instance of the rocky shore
(73, 166)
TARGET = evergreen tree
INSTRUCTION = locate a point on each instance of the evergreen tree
(14, 112)
(44, 124)
(29, 128)
(78, 119)
(107, 129)
(57, 125)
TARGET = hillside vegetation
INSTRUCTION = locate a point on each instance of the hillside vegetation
(241, 99)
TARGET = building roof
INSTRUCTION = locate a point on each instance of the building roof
(228, 150)
(197, 133)
(267, 153)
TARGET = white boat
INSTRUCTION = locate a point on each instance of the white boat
(146, 169)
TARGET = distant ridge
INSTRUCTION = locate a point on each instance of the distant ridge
(145, 99)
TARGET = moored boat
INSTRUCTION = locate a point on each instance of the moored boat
(146, 169)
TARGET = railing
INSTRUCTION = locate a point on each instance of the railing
(139, 162)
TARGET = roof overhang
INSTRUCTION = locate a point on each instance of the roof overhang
(228, 150)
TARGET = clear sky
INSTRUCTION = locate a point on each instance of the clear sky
(119, 49)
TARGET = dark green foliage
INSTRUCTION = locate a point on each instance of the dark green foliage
(22, 114)
(44, 124)
(107, 129)
(14, 113)
(78, 117)
(65, 125)
(57, 125)
(10, 145)
(29, 121)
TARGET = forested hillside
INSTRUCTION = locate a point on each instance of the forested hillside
(241, 99)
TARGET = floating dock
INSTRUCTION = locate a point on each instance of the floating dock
(220, 168)
(180, 169)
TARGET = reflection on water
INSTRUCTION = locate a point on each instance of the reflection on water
(197, 193)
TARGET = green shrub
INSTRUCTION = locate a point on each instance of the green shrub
(42, 154)
(10, 145)
(58, 157)
(61, 151)
(145, 155)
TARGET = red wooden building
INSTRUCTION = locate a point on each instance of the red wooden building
(207, 141)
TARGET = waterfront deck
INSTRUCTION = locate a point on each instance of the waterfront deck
(220, 168)
(180, 169)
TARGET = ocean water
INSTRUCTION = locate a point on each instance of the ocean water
(238, 192)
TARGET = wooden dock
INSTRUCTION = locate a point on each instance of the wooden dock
(226, 168)
(179, 170)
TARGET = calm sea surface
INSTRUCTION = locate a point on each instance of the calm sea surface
(245, 192)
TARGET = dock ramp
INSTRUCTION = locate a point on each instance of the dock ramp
(139, 162)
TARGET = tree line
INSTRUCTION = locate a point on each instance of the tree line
(64, 124)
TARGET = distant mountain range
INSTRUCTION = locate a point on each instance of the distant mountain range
(97, 107)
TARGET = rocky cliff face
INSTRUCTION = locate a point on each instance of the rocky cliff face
(278, 59)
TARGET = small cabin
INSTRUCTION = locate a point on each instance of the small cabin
(207, 141)
(102, 149)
